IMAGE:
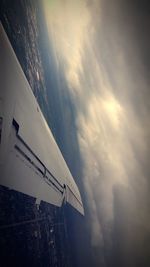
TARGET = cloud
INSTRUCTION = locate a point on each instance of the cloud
(67, 23)
(109, 89)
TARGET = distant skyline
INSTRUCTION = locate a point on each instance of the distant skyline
(102, 51)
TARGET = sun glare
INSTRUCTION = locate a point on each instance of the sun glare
(113, 110)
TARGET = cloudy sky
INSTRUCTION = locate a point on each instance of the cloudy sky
(102, 48)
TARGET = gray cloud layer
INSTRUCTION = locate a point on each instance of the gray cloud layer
(104, 49)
